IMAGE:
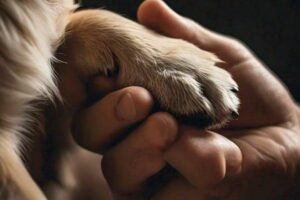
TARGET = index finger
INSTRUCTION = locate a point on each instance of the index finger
(204, 158)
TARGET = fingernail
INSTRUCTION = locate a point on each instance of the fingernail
(125, 109)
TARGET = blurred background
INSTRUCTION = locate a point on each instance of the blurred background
(271, 28)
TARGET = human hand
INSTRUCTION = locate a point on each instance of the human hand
(265, 139)
(262, 146)
(255, 157)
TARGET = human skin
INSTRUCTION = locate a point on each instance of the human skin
(254, 157)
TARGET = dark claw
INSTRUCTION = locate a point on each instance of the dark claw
(235, 115)
(110, 73)
(234, 90)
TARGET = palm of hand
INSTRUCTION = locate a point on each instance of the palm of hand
(264, 132)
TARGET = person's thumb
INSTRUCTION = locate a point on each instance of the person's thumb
(156, 14)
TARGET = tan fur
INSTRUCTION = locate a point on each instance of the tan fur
(183, 79)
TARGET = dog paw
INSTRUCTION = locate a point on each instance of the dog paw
(186, 82)
(183, 79)
(206, 96)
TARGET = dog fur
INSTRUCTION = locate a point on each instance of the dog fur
(100, 41)
(30, 32)
(183, 79)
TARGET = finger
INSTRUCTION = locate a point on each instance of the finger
(129, 164)
(95, 127)
(204, 158)
(157, 15)
(179, 189)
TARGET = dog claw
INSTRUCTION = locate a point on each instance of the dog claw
(105, 72)
(110, 72)
(235, 115)
(234, 90)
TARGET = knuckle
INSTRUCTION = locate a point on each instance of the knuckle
(153, 161)
(236, 44)
(208, 159)
(212, 165)
(164, 130)
(217, 167)
(233, 160)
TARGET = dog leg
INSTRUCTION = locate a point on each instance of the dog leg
(30, 31)
(183, 79)
(15, 181)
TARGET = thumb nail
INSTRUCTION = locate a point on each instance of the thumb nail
(125, 109)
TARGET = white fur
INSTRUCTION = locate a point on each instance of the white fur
(29, 32)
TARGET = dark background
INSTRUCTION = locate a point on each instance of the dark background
(271, 28)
